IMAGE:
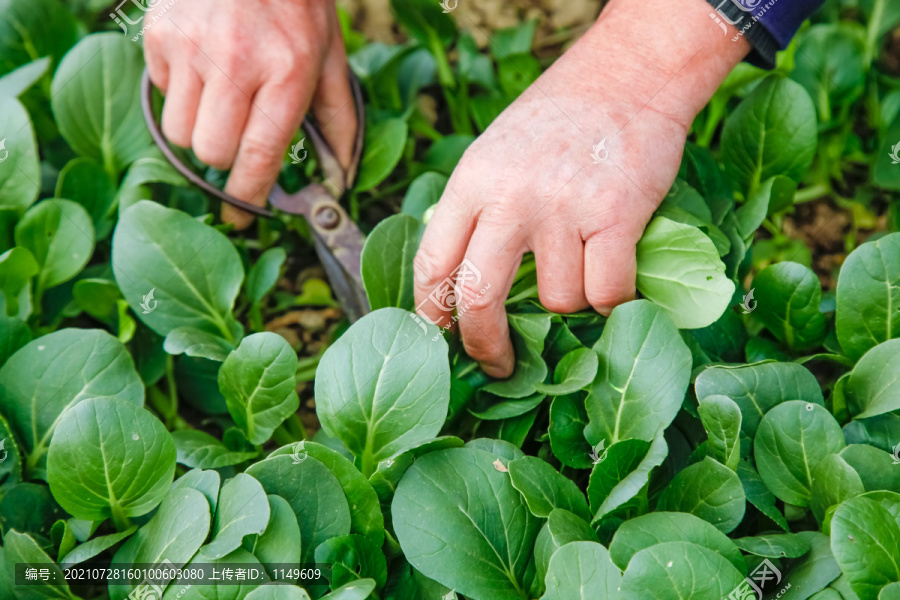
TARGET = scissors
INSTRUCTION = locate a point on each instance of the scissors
(338, 241)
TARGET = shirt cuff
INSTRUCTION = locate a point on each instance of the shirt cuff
(726, 12)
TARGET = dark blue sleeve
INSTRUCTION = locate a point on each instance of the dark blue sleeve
(768, 25)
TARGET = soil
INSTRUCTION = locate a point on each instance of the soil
(559, 21)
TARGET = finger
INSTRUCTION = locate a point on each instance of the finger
(442, 249)
(221, 117)
(157, 64)
(180, 110)
(480, 300)
(275, 115)
(560, 271)
(333, 103)
(610, 267)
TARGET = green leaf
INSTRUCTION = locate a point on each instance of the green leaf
(561, 528)
(791, 440)
(875, 467)
(574, 371)
(175, 533)
(758, 388)
(21, 79)
(759, 495)
(358, 590)
(20, 177)
(813, 571)
(95, 100)
(658, 527)
(721, 418)
(445, 154)
(708, 490)
(644, 371)
(43, 379)
(110, 458)
(506, 409)
(280, 542)
(11, 467)
(198, 449)
(872, 389)
(528, 332)
(677, 570)
(788, 296)
(772, 132)
(98, 298)
(384, 146)
(33, 28)
(889, 592)
(237, 590)
(147, 169)
(833, 481)
(568, 418)
(830, 63)
(545, 489)
(21, 548)
(425, 21)
(205, 482)
(264, 274)
(366, 518)
(277, 592)
(353, 557)
(60, 236)
(313, 492)
(785, 545)
(877, 431)
(192, 271)
(383, 386)
(424, 192)
(582, 570)
(623, 473)
(93, 547)
(386, 263)
(865, 538)
(257, 381)
(242, 510)
(868, 289)
(481, 544)
(86, 183)
(679, 270)
(17, 268)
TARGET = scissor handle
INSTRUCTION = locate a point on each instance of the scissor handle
(341, 178)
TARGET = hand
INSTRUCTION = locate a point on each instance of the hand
(239, 75)
(530, 183)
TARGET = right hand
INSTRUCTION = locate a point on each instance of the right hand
(239, 76)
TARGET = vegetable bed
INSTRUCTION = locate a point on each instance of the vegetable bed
(174, 393)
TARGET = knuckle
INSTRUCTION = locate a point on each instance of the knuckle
(259, 157)
(427, 267)
(558, 301)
